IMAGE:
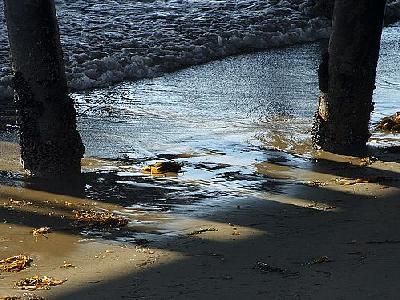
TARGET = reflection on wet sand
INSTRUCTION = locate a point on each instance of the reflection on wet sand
(151, 202)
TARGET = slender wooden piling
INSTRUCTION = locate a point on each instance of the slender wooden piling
(349, 70)
(50, 143)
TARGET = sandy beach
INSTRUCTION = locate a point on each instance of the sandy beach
(333, 234)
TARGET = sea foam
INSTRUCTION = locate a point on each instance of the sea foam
(110, 41)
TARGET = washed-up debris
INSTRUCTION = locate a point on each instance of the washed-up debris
(370, 179)
(366, 161)
(320, 260)
(67, 265)
(201, 230)
(314, 183)
(94, 218)
(15, 263)
(32, 297)
(41, 231)
(38, 283)
(19, 202)
(391, 123)
(319, 206)
(235, 231)
(25, 296)
(11, 203)
(266, 268)
(147, 262)
(163, 167)
(352, 181)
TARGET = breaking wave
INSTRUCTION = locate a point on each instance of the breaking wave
(110, 41)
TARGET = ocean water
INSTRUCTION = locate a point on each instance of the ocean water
(387, 93)
(112, 41)
(266, 98)
(234, 97)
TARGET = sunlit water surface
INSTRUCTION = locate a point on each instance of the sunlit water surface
(219, 120)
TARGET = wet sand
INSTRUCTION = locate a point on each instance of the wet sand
(332, 234)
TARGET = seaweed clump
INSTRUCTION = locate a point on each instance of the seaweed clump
(38, 283)
(15, 263)
(103, 219)
(390, 124)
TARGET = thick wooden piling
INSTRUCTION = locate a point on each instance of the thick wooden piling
(349, 71)
(50, 143)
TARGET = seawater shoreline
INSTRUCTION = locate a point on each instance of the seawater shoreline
(105, 45)
(108, 42)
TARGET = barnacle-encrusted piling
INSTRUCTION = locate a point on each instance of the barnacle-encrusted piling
(347, 77)
(50, 143)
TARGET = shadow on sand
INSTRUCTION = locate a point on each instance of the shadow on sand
(331, 233)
